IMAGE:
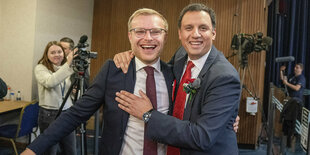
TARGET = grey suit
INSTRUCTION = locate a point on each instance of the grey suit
(209, 116)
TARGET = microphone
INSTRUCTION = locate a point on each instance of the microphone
(285, 59)
(82, 41)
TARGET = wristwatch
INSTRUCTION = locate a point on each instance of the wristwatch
(146, 116)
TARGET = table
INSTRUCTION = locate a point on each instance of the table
(6, 106)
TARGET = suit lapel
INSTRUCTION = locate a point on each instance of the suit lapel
(130, 81)
(212, 56)
(178, 68)
(167, 71)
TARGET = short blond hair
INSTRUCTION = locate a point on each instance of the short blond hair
(146, 12)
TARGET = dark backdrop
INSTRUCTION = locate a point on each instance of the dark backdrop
(288, 25)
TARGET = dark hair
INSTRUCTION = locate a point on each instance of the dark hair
(3, 88)
(198, 7)
(68, 40)
(301, 65)
(45, 61)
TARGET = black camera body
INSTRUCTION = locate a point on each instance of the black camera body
(247, 43)
(82, 56)
(250, 43)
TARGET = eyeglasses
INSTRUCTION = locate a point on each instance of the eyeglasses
(154, 32)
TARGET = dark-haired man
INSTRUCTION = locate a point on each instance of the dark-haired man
(295, 83)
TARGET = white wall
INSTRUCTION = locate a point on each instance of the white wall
(25, 29)
(17, 43)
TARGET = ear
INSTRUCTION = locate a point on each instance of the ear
(166, 37)
(214, 34)
(179, 32)
(129, 36)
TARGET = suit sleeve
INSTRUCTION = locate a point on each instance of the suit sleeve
(88, 104)
(218, 106)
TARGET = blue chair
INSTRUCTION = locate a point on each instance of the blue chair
(27, 121)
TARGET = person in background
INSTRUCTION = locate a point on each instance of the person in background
(53, 77)
(292, 109)
(296, 82)
(68, 45)
(202, 119)
(3, 89)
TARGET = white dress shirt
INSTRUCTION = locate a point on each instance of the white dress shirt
(134, 134)
(199, 63)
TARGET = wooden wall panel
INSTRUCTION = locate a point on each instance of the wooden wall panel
(253, 19)
(234, 16)
(110, 27)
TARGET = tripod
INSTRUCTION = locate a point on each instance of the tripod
(243, 69)
(80, 88)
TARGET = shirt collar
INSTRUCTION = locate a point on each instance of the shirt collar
(140, 64)
(199, 63)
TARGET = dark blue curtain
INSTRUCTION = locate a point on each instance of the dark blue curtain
(288, 25)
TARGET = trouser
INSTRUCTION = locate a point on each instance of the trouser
(67, 144)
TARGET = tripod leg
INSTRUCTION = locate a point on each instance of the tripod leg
(252, 82)
(243, 75)
(83, 139)
(66, 97)
(79, 93)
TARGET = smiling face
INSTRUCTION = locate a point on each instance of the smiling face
(55, 55)
(196, 33)
(148, 48)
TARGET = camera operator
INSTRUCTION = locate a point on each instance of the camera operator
(294, 86)
(295, 83)
(53, 77)
(68, 45)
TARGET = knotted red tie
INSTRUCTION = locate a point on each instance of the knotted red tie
(150, 147)
(179, 103)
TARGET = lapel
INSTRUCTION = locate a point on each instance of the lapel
(210, 60)
(179, 63)
(130, 81)
(167, 71)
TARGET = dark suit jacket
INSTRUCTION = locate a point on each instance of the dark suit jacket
(102, 92)
(209, 116)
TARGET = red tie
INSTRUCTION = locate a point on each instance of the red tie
(179, 103)
(150, 147)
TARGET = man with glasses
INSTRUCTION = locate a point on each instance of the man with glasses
(203, 111)
(122, 133)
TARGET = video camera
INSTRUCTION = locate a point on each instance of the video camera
(81, 56)
(247, 43)
(250, 43)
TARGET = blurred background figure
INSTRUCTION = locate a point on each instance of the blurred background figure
(3, 89)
